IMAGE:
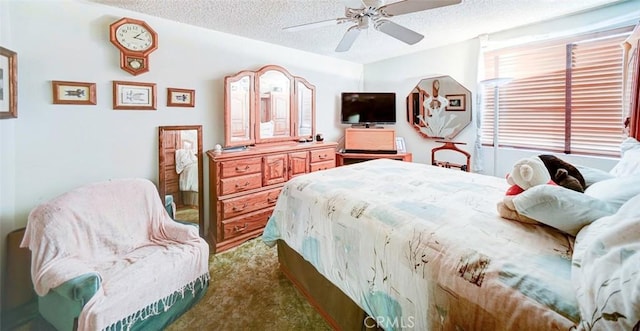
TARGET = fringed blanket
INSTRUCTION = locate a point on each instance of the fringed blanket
(119, 230)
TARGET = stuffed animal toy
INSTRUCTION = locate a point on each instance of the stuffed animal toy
(563, 179)
(570, 178)
(527, 173)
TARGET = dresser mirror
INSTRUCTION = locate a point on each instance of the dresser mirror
(306, 104)
(266, 106)
(239, 96)
(274, 106)
(180, 180)
(439, 107)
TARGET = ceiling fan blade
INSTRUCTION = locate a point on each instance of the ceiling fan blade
(410, 6)
(319, 24)
(348, 39)
(398, 31)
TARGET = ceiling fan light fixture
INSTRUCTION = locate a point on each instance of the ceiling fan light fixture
(376, 11)
(363, 23)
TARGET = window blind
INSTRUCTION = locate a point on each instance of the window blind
(564, 96)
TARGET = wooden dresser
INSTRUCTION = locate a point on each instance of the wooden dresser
(245, 185)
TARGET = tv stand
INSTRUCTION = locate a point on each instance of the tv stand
(343, 158)
(363, 140)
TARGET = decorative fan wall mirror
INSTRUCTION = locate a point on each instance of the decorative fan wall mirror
(439, 107)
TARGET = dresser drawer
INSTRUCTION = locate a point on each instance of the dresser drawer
(240, 167)
(239, 184)
(325, 154)
(234, 227)
(248, 203)
(323, 165)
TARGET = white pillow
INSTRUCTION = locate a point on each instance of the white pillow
(593, 175)
(561, 208)
(629, 164)
(615, 191)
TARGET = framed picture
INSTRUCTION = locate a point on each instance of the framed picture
(8, 83)
(177, 97)
(134, 95)
(400, 145)
(456, 102)
(73, 93)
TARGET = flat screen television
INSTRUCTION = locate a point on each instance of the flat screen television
(364, 108)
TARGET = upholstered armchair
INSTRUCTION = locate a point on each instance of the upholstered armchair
(108, 255)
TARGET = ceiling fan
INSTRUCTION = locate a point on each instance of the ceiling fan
(377, 13)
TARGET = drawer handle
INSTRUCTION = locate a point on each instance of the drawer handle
(271, 200)
(242, 186)
(245, 169)
(239, 228)
(236, 208)
(323, 156)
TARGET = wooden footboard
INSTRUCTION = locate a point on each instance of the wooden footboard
(336, 308)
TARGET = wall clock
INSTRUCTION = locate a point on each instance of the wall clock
(136, 40)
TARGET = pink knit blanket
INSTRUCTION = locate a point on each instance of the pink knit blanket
(119, 230)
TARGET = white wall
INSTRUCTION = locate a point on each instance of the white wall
(50, 149)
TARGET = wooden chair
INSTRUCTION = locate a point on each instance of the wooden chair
(451, 145)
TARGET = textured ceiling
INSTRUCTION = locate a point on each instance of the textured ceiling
(265, 19)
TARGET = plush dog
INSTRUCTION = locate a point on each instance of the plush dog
(526, 173)
(563, 173)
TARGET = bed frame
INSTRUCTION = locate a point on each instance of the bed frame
(340, 312)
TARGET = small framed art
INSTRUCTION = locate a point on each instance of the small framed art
(177, 97)
(8, 83)
(73, 93)
(456, 102)
(134, 95)
(400, 145)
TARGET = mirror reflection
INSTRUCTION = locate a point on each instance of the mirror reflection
(180, 172)
(439, 107)
(306, 102)
(239, 103)
(275, 104)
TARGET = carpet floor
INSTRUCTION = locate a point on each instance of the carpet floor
(247, 291)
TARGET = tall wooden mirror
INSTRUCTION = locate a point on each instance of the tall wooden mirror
(180, 181)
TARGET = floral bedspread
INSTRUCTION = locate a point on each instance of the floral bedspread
(421, 247)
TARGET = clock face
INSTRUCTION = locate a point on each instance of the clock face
(134, 37)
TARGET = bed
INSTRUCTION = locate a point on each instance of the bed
(399, 245)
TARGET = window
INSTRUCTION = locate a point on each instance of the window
(564, 96)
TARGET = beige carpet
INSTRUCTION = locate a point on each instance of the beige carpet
(247, 292)
(187, 214)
